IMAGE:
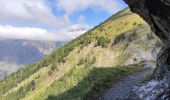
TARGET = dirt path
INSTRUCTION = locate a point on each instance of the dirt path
(123, 90)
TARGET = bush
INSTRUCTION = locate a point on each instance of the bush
(31, 86)
(158, 44)
(122, 37)
(85, 42)
(50, 72)
(140, 24)
(53, 66)
(119, 38)
(101, 29)
(150, 36)
(133, 36)
(134, 23)
(81, 62)
(93, 60)
(21, 92)
(101, 41)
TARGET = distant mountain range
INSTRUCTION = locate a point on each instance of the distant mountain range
(17, 53)
(84, 68)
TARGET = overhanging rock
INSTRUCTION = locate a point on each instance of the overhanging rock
(157, 14)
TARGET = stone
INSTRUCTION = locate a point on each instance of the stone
(157, 14)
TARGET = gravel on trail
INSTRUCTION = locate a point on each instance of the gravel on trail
(123, 89)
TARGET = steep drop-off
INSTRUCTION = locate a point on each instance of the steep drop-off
(17, 53)
(92, 62)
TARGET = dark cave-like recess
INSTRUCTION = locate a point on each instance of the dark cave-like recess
(168, 60)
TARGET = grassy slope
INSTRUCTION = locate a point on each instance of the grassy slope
(74, 63)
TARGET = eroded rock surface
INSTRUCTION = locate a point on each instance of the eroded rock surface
(157, 14)
(153, 90)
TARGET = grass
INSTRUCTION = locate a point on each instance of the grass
(120, 23)
(15, 95)
(32, 77)
(143, 45)
(69, 72)
(146, 78)
(87, 82)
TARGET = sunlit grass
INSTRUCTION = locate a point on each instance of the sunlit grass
(70, 78)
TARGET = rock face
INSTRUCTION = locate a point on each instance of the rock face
(157, 14)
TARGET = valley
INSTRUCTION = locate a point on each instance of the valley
(89, 65)
(17, 53)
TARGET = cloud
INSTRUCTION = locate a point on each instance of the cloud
(75, 30)
(66, 34)
(72, 6)
(42, 12)
(37, 12)
(11, 32)
(29, 11)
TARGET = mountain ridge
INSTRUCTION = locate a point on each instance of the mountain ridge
(104, 49)
(16, 53)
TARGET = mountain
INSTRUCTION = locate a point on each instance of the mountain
(6, 69)
(87, 66)
(16, 53)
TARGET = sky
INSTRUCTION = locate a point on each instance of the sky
(53, 20)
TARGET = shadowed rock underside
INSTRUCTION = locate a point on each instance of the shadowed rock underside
(157, 14)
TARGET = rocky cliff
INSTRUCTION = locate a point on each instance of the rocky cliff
(157, 14)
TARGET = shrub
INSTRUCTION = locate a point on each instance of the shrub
(119, 38)
(81, 62)
(134, 23)
(158, 44)
(53, 66)
(133, 36)
(101, 29)
(101, 41)
(50, 72)
(21, 92)
(123, 37)
(150, 36)
(31, 86)
(93, 60)
(140, 24)
(126, 23)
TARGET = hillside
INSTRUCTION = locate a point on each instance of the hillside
(16, 53)
(91, 62)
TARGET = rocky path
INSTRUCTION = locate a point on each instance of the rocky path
(123, 90)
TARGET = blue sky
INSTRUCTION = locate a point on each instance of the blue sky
(53, 19)
(91, 15)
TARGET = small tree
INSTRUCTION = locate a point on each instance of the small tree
(81, 62)
(53, 66)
